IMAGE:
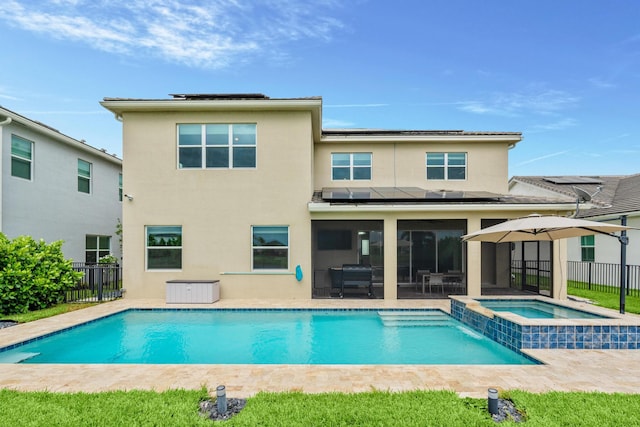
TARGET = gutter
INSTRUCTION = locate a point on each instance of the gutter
(5, 122)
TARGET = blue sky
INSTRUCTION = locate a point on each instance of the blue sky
(565, 73)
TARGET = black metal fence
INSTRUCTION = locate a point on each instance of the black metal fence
(100, 282)
(603, 277)
(531, 275)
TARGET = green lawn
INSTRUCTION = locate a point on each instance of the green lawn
(608, 300)
(47, 312)
(376, 408)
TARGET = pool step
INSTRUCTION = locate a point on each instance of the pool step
(414, 318)
(16, 357)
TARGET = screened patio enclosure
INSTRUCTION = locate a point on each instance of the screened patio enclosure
(431, 258)
(514, 268)
(347, 259)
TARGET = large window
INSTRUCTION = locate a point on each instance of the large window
(270, 247)
(588, 248)
(452, 166)
(21, 157)
(96, 247)
(215, 146)
(350, 166)
(84, 176)
(164, 247)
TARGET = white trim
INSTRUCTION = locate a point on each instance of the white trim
(288, 248)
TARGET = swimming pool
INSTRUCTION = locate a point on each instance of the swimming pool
(535, 309)
(267, 336)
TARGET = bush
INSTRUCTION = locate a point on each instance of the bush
(33, 274)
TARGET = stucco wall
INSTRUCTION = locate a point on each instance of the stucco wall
(403, 164)
(217, 207)
(49, 206)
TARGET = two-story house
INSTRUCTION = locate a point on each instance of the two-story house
(55, 187)
(251, 191)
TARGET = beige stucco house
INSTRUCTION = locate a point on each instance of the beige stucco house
(251, 191)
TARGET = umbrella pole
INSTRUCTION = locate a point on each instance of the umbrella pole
(624, 241)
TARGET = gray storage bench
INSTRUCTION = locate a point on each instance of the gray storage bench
(192, 291)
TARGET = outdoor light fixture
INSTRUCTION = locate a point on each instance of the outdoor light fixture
(221, 399)
(129, 196)
(492, 401)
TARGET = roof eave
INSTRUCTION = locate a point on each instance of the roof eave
(511, 139)
(121, 106)
(437, 207)
(60, 137)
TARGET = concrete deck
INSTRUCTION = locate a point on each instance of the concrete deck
(564, 370)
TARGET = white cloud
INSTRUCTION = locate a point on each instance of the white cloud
(600, 83)
(557, 125)
(546, 156)
(201, 33)
(336, 124)
(355, 105)
(532, 101)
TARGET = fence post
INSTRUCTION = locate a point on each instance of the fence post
(100, 282)
(589, 281)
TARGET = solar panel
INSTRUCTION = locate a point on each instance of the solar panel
(402, 194)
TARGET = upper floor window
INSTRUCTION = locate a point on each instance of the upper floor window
(447, 166)
(84, 176)
(21, 157)
(588, 248)
(350, 166)
(211, 146)
(120, 186)
(164, 247)
(270, 247)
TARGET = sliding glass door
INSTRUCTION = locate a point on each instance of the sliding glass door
(433, 246)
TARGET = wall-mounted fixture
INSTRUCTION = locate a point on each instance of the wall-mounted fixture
(129, 196)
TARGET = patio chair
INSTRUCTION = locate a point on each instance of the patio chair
(435, 280)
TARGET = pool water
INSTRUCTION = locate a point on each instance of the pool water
(267, 337)
(534, 309)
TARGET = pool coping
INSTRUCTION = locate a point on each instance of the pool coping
(563, 370)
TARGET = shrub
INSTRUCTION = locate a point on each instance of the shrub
(33, 274)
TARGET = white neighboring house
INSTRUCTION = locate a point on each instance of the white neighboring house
(612, 198)
(55, 187)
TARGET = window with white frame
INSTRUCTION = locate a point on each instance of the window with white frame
(217, 146)
(446, 166)
(164, 247)
(350, 166)
(96, 247)
(120, 186)
(270, 247)
(84, 176)
(588, 248)
(21, 157)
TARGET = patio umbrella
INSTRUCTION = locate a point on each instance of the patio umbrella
(538, 227)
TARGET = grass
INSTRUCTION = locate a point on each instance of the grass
(376, 408)
(607, 300)
(47, 312)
